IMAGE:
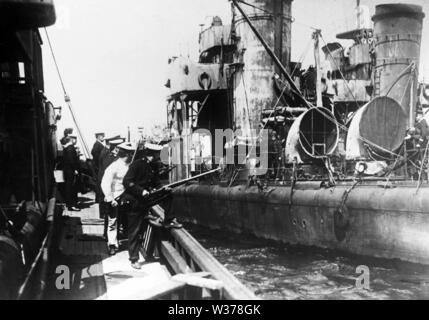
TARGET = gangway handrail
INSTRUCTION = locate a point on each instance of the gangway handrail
(233, 289)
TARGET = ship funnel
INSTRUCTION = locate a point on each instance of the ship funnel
(26, 14)
(398, 33)
(313, 135)
(380, 125)
(254, 85)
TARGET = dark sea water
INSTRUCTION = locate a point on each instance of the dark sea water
(279, 272)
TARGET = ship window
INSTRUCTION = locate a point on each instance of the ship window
(21, 70)
(14, 71)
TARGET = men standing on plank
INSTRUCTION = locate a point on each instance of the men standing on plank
(71, 167)
(113, 188)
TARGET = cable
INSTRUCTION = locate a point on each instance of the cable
(66, 97)
(303, 56)
(255, 7)
(263, 10)
(403, 73)
(55, 61)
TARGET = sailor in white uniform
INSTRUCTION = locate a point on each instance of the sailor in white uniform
(113, 188)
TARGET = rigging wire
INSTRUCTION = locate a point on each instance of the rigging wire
(310, 106)
(303, 56)
(254, 7)
(67, 97)
(351, 92)
(263, 10)
(402, 74)
(332, 119)
(305, 25)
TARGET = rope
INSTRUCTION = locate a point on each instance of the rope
(406, 87)
(67, 98)
(254, 7)
(263, 10)
(403, 73)
(306, 25)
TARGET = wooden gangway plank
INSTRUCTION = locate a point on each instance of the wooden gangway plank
(95, 275)
(99, 276)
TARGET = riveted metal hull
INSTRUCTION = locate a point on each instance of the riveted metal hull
(390, 223)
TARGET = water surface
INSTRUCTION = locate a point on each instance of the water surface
(276, 271)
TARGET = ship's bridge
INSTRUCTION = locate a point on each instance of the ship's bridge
(216, 43)
(187, 76)
(349, 72)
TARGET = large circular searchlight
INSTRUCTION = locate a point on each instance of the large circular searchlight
(380, 125)
(313, 135)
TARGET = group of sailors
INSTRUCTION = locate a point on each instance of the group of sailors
(125, 175)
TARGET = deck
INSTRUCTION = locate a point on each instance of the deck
(93, 273)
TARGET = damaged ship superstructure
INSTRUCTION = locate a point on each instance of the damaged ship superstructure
(347, 139)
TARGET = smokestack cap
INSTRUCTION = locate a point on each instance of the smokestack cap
(398, 10)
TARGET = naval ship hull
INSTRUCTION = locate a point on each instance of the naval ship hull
(390, 222)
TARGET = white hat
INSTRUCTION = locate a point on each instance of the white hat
(153, 147)
(116, 142)
(127, 146)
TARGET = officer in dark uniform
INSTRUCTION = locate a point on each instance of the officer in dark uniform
(67, 132)
(141, 179)
(71, 167)
(96, 150)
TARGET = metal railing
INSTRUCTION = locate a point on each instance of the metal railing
(185, 255)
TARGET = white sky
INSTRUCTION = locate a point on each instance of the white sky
(113, 54)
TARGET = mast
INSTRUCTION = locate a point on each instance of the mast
(316, 37)
(358, 20)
